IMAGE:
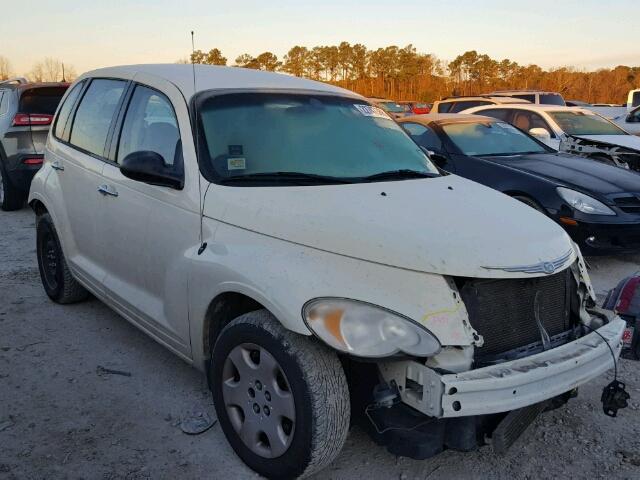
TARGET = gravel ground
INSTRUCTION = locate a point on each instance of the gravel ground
(62, 417)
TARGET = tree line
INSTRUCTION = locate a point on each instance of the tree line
(403, 73)
(47, 70)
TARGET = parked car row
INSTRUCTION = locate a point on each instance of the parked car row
(290, 240)
(26, 111)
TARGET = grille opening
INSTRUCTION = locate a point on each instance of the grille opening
(630, 204)
(503, 311)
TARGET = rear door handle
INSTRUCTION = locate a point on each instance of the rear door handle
(56, 165)
(108, 190)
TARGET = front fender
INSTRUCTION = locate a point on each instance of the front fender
(283, 276)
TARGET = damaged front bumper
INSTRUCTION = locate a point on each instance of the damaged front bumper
(510, 385)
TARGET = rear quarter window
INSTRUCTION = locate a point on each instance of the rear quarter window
(41, 100)
(65, 110)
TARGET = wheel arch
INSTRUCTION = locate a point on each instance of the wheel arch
(38, 207)
(223, 309)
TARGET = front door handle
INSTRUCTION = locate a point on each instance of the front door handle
(108, 190)
(56, 165)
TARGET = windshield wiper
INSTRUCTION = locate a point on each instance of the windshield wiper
(400, 175)
(286, 176)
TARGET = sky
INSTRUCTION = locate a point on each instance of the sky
(90, 34)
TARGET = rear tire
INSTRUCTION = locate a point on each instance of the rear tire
(56, 277)
(11, 198)
(257, 363)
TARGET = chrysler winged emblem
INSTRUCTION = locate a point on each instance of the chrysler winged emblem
(547, 267)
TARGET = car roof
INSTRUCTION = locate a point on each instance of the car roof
(498, 99)
(209, 77)
(516, 92)
(428, 118)
(536, 107)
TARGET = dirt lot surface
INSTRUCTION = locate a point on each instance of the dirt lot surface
(63, 417)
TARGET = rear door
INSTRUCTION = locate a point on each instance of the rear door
(77, 158)
(150, 229)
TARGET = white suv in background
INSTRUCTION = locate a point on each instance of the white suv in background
(290, 240)
(540, 97)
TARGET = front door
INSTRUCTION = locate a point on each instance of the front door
(150, 229)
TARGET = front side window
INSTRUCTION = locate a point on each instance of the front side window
(150, 124)
(635, 99)
(582, 123)
(491, 138)
(525, 120)
(423, 136)
(65, 110)
(330, 137)
(95, 114)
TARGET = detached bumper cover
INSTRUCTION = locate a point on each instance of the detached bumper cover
(526, 381)
(509, 385)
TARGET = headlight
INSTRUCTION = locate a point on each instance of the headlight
(584, 203)
(365, 330)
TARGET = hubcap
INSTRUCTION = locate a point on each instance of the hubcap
(258, 400)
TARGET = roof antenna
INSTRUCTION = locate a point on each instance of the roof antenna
(63, 79)
(203, 244)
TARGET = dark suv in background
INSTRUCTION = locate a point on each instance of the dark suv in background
(26, 111)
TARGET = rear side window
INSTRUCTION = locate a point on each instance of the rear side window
(42, 100)
(551, 99)
(528, 98)
(4, 102)
(459, 106)
(150, 125)
(445, 107)
(95, 114)
(65, 110)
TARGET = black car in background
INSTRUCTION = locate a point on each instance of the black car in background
(597, 204)
(26, 112)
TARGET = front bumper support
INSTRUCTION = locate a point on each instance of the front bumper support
(509, 385)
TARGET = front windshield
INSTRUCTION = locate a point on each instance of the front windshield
(581, 123)
(391, 107)
(490, 138)
(262, 133)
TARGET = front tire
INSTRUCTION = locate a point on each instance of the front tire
(56, 277)
(281, 398)
(530, 202)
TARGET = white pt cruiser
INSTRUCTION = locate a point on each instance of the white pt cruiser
(288, 239)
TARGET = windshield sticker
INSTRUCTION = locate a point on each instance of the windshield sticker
(371, 111)
(237, 163)
(235, 150)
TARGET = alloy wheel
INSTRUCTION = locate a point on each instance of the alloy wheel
(258, 400)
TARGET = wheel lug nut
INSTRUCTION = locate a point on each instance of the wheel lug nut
(267, 411)
(252, 392)
(256, 408)
(258, 385)
(267, 395)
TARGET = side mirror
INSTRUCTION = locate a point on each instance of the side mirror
(437, 157)
(148, 167)
(541, 134)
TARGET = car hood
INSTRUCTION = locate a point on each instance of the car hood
(446, 225)
(628, 141)
(572, 170)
